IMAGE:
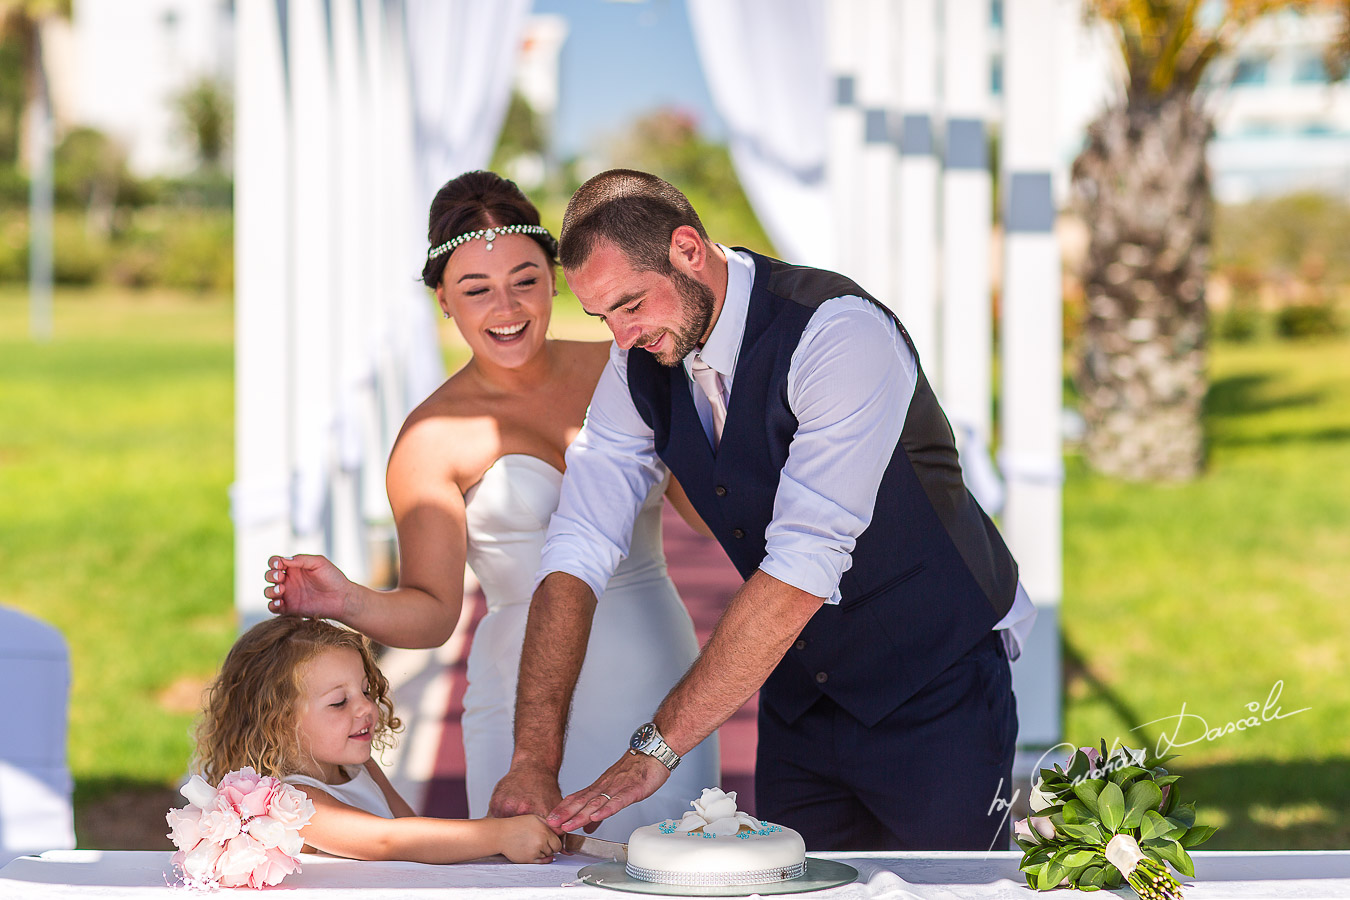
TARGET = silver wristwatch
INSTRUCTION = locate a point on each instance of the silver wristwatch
(649, 741)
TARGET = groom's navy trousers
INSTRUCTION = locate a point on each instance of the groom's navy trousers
(890, 720)
(934, 774)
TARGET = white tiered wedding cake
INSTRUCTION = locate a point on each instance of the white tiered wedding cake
(715, 844)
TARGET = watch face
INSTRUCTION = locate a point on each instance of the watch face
(642, 736)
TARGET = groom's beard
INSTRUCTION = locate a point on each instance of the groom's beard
(696, 309)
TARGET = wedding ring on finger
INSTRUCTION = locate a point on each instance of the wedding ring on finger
(606, 796)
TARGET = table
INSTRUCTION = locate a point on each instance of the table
(882, 876)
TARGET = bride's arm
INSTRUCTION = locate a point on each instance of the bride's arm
(423, 609)
(556, 636)
(685, 507)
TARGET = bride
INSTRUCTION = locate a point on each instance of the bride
(474, 476)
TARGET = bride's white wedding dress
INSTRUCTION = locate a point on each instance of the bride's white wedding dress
(642, 641)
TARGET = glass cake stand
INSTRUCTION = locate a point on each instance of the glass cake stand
(820, 874)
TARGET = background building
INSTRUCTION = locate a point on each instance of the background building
(123, 64)
(1281, 125)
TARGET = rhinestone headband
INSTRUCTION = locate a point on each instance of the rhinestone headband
(487, 234)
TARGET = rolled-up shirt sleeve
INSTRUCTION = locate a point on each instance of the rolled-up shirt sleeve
(611, 468)
(849, 384)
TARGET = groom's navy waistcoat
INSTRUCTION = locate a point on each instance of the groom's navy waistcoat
(930, 576)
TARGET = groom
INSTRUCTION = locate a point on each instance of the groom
(792, 409)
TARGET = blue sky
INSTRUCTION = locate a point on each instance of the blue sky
(620, 60)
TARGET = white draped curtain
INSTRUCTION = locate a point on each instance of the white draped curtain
(765, 64)
(462, 59)
(349, 115)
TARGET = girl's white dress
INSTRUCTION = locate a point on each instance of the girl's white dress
(360, 790)
(642, 641)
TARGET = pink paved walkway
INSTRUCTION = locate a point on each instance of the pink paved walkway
(706, 580)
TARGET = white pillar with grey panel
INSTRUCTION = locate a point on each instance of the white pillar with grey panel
(916, 293)
(1032, 356)
(967, 333)
(877, 242)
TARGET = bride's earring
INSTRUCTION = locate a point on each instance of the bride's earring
(445, 314)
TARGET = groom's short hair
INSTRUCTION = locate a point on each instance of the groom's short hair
(634, 211)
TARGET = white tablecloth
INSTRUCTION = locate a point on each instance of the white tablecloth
(882, 876)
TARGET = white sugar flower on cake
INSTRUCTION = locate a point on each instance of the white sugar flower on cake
(715, 812)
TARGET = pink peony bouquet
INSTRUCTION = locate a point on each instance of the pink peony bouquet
(244, 833)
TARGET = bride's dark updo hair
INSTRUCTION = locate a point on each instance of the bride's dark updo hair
(473, 201)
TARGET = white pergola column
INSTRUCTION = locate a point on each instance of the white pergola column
(260, 496)
(313, 283)
(967, 342)
(383, 417)
(845, 150)
(1032, 356)
(352, 373)
(876, 48)
(917, 184)
(394, 223)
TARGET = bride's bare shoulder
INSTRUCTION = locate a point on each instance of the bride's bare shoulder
(443, 434)
(591, 355)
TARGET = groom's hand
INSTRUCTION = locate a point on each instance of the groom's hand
(525, 790)
(636, 776)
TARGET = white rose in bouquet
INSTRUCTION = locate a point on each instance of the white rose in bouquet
(184, 828)
(242, 855)
(199, 863)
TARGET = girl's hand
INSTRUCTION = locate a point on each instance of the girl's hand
(306, 585)
(526, 839)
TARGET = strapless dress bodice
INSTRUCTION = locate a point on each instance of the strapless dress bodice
(507, 514)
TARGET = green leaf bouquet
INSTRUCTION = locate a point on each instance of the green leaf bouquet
(1108, 817)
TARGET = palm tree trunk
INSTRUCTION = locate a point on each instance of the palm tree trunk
(1142, 188)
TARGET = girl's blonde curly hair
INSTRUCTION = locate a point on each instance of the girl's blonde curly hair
(250, 712)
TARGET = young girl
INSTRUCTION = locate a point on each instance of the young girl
(302, 700)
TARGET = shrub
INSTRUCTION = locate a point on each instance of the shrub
(1306, 320)
(13, 188)
(1283, 235)
(77, 257)
(197, 253)
(189, 249)
(91, 171)
(13, 249)
(1239, 323)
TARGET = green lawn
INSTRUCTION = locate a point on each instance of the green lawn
(1209, 594)
(116, 455)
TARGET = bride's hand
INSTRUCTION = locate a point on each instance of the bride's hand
(524, 791)
(306, 585)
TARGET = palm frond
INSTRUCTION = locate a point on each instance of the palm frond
(1168, 44)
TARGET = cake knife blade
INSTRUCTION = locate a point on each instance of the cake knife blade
(589, 846)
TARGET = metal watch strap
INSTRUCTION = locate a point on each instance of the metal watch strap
(660, 750)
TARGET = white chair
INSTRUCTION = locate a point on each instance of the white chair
(35, 784)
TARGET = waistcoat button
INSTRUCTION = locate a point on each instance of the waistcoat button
(800, 645)
(720, 491)
(822, 677)
(737, 533)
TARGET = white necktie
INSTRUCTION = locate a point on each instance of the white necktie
(710, 381)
